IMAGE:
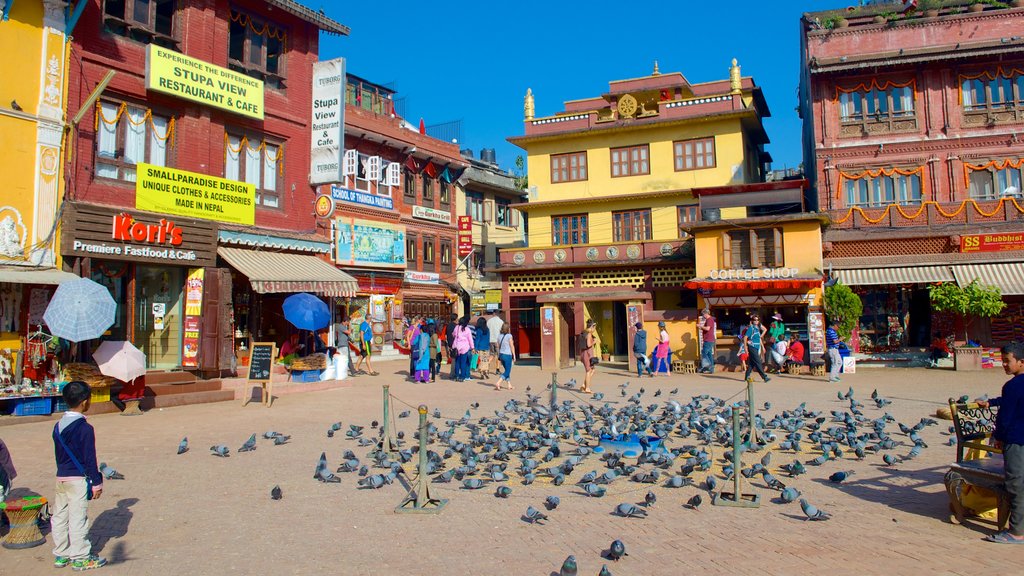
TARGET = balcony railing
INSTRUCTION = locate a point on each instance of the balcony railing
(597, 254)
(929, 213)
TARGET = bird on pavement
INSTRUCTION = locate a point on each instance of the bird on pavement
(839, 477)
(275, 493)
(281, 439)
(568, 567)
(811, 512)
(627, 510)
(552, 502)
(109, 473)
(789, 494)
(649, 499)
(220, 450)
(694, 502)
(183, 445)
(604, 571)
(533, 515)
(503, 492)
(249, 445)
(616, 551)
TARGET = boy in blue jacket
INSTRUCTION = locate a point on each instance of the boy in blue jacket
(74, 447)
(1009, 436)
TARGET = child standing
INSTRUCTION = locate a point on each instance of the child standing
(1009, 437)
(78, 481)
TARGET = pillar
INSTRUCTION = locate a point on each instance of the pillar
(550, 355)
(634, 314)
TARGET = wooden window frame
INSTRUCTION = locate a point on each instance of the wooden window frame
(129, 26)
(444, 193)
(475, 206)
(756, 246)
(686, 209)
(411, 249)
(261, 69)
(626, 166)
(446, 255)
(427, 188)
(503, 213)
(562, 169)
(261, 192)
(120, 136)
(870, 182)
(679, 155)
(409, 184)
(629, 225)
(430, 253)
(582, 229)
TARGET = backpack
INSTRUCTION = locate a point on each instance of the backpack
(414, 348)
(581, 342)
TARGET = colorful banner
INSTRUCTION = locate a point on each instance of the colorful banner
(414, 277)
(465, 237)
(193, 314)
(170, 191)
(366, 242)
(816, 333)
(363, 198)
(328, 127)
(992, 242)
(173, 73)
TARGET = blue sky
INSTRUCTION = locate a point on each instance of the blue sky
(473, 61)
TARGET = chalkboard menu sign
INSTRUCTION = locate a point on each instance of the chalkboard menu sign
(261, 359)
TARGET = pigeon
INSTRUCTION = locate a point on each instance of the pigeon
(694, 502)
(321, 465)
(594, 490)
(616, 551)
(772, 482)
(109, 473)
(503, 492)
(249, 445)
(220, 450)
(889, 459)
(839, 477)
(678, 482)
(533, 515)
(650, 499)
(281, 439)
(568, 567)
(711, 483)
(404, 414)
(326, 476)
(552, 502)
(374, 482)
(813, 513)
(627, 510)
(336, 426)
(330, 433)
(275, 493)
(473, 483)
(183, 445)
(528, 478)
(790, 494)
(269, 434)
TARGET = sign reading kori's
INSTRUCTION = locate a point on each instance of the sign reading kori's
(174, 73)
(170, 191)
(327, 141)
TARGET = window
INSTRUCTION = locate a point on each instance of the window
(630, 161)
(694, 154)
(128, 135)
(503, 212)
(570, 229)
(255, 161)
(410, 250)
(410, 184)
(568, 167)
(477, 262)
(141, 20)
(756, 248)
(367, 171)
(428, 253)
(883, 189)
(631, 225)
(256, 48)
(446, 255)
(475, 206)
(444, 191)
(994, 182)
(428, 188)
(688, 215)
(884, 103)
(1002, 90)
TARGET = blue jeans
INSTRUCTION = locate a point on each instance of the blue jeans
(707, 356)
(462, 366)
(506, 362)
(642, 363)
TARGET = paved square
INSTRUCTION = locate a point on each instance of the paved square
(200, 514)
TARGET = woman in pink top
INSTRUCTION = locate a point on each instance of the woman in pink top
(462, 344)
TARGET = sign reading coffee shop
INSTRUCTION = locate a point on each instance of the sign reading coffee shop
(109, 234)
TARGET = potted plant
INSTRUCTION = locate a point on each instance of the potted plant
(844, 308)
(969, 302)
(976, 6)
(605, 354)
(930, 8)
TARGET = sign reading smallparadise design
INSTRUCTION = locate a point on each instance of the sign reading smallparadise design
(992, 242)
(327, 141)
(365, 198)
(431, 214)
(170, 191)
(173, 73)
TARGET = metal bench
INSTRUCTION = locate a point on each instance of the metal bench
(973, 426)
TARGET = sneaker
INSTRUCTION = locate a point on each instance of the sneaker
(88, 563)
(834, 379)
(767, 379)
(61, 561)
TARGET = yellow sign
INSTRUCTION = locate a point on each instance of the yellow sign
(170, 191)
(174, 73)
(492, 296)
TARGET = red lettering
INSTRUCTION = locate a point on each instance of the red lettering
(126, 228)
(138, 231)
(122, 223)
(175, 236)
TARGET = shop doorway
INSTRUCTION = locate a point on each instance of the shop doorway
(524, 324)
(566, 343)
(158, 307)
(619, 329)
(920, 324)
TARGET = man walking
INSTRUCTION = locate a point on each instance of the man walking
(1009, 436)
(752, 339)
(494, 324)
(708, 333)
(832, 344)
(640, 351)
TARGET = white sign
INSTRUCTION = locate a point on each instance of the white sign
(431, 214)
(414, 277)
(755, 274)
(137, 251)
(327, 137)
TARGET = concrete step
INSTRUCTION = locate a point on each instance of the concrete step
(170, 377)
(197, 386)
(186, 398)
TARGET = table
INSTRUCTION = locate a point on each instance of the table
(23, 514)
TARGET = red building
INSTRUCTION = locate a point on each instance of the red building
(202, 131)
(395, 213)
(912, 142)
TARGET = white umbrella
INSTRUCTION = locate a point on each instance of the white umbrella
(121, 360)
(80, 310)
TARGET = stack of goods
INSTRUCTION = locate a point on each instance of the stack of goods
(311, 362)
(87, 373)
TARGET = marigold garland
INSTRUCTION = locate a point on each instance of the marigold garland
(267, 30)
(986, 74)
(997, 164)
(938, 208)
(146, 117)
(867, 86)
(881, 172)
(244, 142)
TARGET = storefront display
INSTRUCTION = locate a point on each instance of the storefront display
(894, 317)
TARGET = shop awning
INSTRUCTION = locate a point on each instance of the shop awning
(30, 276)
(886, 276)
(785, 284)
(1007, 276)
(279, 272)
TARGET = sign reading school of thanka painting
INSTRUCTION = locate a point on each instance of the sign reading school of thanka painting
(327, 141)
(174, 73)
(170, 191)
(369, 243)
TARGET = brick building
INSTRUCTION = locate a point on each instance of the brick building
(196, 155)
(912, 142)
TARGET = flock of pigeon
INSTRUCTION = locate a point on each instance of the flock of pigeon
(530, 441)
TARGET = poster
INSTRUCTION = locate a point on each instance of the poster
(548, 322)
(193, 313)
(816, 333)
(369, 242)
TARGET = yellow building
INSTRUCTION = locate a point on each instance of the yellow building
(611, 180)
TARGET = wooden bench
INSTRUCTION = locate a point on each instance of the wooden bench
(973, 426)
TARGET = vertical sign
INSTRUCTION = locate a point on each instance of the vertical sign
(465, 241)
(193, 315)
(815, 333)
(327, 138)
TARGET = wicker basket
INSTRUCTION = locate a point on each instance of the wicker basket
(88, 373)
(311, 362)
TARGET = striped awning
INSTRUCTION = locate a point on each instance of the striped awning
(902, 275)
(1007, 276)
(280, 272)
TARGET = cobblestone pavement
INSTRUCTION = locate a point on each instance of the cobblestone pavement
(199, 514)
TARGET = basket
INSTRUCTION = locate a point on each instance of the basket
(33, 407)
(88, 373)
(311, 362)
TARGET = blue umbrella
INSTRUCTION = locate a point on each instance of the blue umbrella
(306, 312)
(80, 310)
